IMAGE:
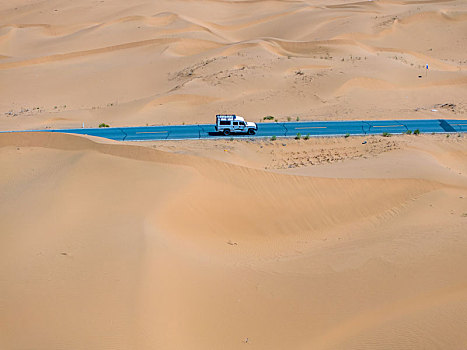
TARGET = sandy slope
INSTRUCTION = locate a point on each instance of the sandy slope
(64, 63)
(111, 246)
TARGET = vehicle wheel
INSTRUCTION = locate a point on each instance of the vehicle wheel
(251, 131)
(226, 132)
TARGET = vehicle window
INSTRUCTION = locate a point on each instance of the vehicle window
(224, 122)
(235, 123)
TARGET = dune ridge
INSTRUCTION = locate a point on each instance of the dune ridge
(251, 183)
(189, 47)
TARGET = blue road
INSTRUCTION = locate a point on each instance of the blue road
(315, 128)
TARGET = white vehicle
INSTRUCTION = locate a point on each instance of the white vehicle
(234, 124)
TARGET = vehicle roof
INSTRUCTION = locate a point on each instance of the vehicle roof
(229, 116)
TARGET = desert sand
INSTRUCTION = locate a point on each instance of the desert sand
(64, 63)
(182, 246)
(323, 244)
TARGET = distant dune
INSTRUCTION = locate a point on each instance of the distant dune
(141, 64)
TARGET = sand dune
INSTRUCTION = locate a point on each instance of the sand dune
(125, 246)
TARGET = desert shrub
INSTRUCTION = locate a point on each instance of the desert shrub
(416, 132)
(273, 138)
(103, 125)
(307, 136)
(268, 117)
(347, 135)
(386, 134)
(298, 137)
(409, 132)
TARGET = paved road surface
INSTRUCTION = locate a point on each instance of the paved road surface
(316, 128)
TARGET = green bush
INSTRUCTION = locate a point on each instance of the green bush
(409, 132)
(386, 134)
(273, 138)
(307, 136)
(416, 132)
(289, 119)
(103, 125)
(298, 137)
(298, 119)
(269, 117)
(347, 135)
